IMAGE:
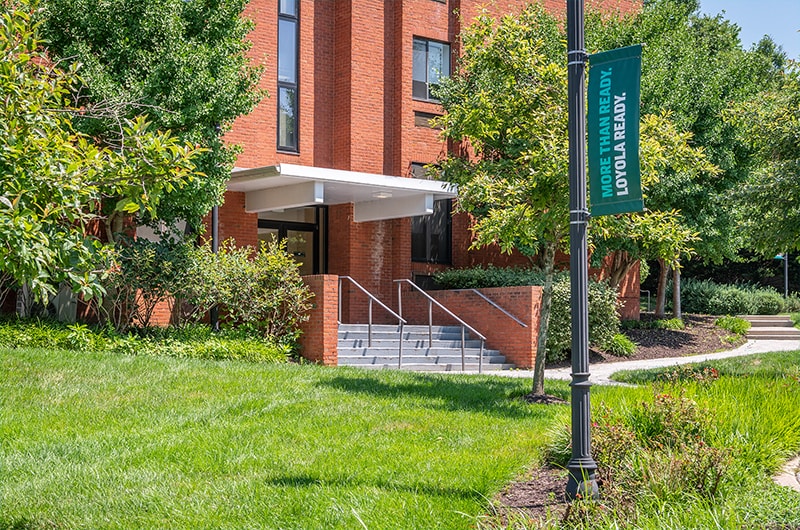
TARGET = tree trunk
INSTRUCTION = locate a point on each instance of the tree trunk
(548, 265)
(676, 292)
(661, 295)
(621, 264)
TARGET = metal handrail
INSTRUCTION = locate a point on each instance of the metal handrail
(432, 301)
(496, 306)
(373, 298)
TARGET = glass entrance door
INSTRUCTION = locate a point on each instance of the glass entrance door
(303, 230)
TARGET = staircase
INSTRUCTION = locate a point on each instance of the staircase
(443, 355)
(771, 327)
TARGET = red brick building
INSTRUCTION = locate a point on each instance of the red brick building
(328, 155)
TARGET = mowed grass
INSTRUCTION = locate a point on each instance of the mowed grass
(96, 440)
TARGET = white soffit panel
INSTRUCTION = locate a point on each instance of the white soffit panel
(393, 208)
(374, 196)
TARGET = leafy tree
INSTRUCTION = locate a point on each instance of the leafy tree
(694, 67)
(653, 234)
(506, 108)
(52, 177)
(182, 63)
(769, 201)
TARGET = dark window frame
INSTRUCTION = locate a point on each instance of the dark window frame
(287, 85)
(446, 60)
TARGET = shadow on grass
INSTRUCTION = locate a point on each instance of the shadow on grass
(25, 523)
(442, 392)
(308, 481)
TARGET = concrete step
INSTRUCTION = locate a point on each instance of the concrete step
(469, 367)
(382, 342)
(395, 328)
(779, 333)
(416, 360)
(771, 327)
(769, 321)
(418, 354)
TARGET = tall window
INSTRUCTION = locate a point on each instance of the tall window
(288, 45)
(431, 63)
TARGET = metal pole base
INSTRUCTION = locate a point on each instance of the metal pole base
(582, 483)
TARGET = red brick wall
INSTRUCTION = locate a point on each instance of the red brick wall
(516, 342)
(356, 113)
(319, 339)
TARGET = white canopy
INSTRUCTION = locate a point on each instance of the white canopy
(374, 197)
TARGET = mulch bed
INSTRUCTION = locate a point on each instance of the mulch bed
(699, 336)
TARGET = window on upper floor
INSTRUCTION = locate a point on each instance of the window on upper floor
(288, 45)
(431, 63)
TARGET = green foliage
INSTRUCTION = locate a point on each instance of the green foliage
(652, 234)
(694, 68)
(603, 318)
(707, 297)
(660, 449)
(141, 275)
(770, 123)
(736, 325)
(490, 276)
(182, 63)
(258, 288)
(196, 341)
(53, 177)
(620, 345)
(792, 303)
(507, 100)
(216, 346)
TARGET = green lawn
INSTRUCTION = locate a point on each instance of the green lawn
(98, 440)
(94, 440)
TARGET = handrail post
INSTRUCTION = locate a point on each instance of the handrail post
(430, 324)
(340, 299)
(463, 340)
(400, 299)
(480, 359)
(369, 324)
(400, 348)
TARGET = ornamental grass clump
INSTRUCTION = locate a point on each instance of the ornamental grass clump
(659, 451)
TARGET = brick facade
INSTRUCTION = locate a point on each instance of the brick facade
(356, 113)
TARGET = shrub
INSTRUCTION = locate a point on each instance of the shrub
(38, 333)
(603, 317)
(707, 297)
(659, 449)
(142, 274)
(736, 325)
(620, 346)
(214, 347)
(792, 304)
(490, 276)
(262, 289)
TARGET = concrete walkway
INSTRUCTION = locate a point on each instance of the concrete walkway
(601, 373)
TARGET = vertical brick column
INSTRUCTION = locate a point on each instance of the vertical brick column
(320, 333)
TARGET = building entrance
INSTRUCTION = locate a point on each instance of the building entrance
(305, 233)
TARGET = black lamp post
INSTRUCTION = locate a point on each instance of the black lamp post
(785, 258)
(582, 480)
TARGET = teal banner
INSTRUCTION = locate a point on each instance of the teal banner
(615, 184)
